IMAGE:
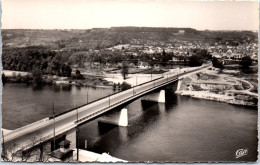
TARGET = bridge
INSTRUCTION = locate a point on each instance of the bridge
(44, 129)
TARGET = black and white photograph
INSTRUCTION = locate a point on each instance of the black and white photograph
(129, 81)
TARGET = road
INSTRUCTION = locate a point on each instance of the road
(44, 129)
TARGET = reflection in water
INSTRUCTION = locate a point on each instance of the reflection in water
(36, 87)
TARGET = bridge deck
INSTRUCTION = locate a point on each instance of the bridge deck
(43, 129)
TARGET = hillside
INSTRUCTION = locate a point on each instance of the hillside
(97, 38)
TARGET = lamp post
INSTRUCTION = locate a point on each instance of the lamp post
(178, 69)
(3, 146)
(108, 100)
(87, 95)
(77, 134)
(53, 116)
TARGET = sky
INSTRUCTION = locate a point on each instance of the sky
(86, 14)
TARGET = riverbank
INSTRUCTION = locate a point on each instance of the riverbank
(26, 77)
(104, 80)
(211, 84)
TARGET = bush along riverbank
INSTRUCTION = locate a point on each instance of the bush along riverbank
(78, 80)
(214, 85)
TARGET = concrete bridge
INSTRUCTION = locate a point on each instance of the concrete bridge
(43, 130)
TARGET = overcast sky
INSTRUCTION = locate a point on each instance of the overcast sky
(85, 14)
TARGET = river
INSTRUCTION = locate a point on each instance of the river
(183, 129)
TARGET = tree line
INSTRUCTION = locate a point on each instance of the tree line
(36, 60)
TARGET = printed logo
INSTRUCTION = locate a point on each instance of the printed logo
(241, 152)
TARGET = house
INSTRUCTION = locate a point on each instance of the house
(254, 57)
(181, 32)
(144, 65)
(119, 64)
(237, 56)
(175, 59)
(96, 63)
(216, 55)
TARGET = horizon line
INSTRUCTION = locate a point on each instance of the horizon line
(255, 30)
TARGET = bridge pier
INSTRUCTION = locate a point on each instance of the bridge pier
(179, 83)
(155, 97)
(72, 137)
(120, 120)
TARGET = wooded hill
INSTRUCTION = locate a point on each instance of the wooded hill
(98, 38)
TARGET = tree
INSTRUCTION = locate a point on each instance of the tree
(66, 70)
(195, 61)
(216, 63)
(124, 70)
(37, 76)
(78, 58)
(246, 62)
(78, 75)
(202, 53)
(29, 58)
(4, 78)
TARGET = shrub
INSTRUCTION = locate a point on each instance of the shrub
(4, 78)
(114, 86)
(18, 78)
(14, 75)
(246, 62)
(78, 75)
(125, 86)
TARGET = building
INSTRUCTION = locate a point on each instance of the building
(181, 32)
(144, 65)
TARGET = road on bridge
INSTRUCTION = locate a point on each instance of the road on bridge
(44, 129)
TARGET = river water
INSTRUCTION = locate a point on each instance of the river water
(30, 104)
(183, 129)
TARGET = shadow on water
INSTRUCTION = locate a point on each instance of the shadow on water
(110, 135)
(147, 104)
(146, 120)
(103, 128)
(100, 145)
(172, 101)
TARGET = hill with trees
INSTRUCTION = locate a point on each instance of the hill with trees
(98, 38)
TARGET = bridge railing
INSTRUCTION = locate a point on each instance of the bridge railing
(125, 99)
(62, 113)
(35, 124)
(27, 126)
(121, 92)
